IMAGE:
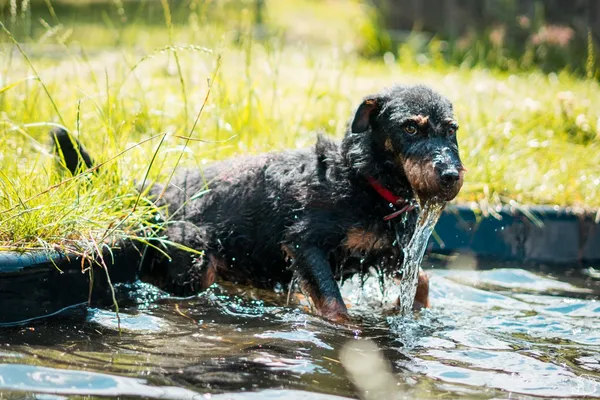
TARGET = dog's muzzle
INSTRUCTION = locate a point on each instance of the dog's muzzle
(434, 179)
(450, 179)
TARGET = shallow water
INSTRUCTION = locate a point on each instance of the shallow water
(498, 333)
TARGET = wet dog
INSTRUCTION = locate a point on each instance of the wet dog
(311, 216)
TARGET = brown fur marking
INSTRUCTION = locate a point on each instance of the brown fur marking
(388, 144)
(424, 180)
(212, 269)
(422, 295)
(422, 177)
(360, 240)
(421, 120)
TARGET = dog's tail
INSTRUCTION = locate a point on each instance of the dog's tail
(70, 152)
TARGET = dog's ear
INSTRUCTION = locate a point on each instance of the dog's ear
(362, 119)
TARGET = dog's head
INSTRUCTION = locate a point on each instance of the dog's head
(412, 129)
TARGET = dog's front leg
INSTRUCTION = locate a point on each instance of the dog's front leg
(422, 293)
(318, 283)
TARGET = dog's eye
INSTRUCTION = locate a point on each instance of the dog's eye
(410, 129)
(452, 129)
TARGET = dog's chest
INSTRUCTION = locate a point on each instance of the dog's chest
(377, 239)
(361, 240)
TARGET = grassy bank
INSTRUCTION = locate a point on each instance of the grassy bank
(125, 84)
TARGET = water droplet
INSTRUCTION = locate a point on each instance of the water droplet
(278, 287)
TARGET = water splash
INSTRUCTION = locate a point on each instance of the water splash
(413, 254)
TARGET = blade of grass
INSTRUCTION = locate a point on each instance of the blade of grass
(198, 115)
(12, 38)
(169, 23)
(14, 84)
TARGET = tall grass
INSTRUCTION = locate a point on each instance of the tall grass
(529, 138)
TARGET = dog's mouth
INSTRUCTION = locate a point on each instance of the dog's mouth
(432, 181)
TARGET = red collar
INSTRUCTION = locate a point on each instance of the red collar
(390, 198)
(385, 192)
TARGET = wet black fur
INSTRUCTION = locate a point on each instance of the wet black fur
(304, 201)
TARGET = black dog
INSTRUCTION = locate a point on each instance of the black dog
(317, 215)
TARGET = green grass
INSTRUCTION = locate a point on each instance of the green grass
(525, 138)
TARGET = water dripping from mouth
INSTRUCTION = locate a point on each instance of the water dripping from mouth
(413, 253)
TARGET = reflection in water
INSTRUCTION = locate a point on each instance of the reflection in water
(489, 333)
(51, 380)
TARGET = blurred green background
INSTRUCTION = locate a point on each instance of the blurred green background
(504, 34)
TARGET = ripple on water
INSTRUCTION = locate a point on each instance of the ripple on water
(128, 322)
(298, 335)
(515, 344)
(511, 278)
(453, 297)
(541, 381)
(70, 382)
(277, 395)
(489, 333)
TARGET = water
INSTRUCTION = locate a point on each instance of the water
(413, 254)
(491, 333)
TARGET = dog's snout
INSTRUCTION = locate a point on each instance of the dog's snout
(447, 173)
(449, 176)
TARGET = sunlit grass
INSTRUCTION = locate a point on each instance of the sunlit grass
(529, 138)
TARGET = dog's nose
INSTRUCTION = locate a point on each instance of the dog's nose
(449, 176)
